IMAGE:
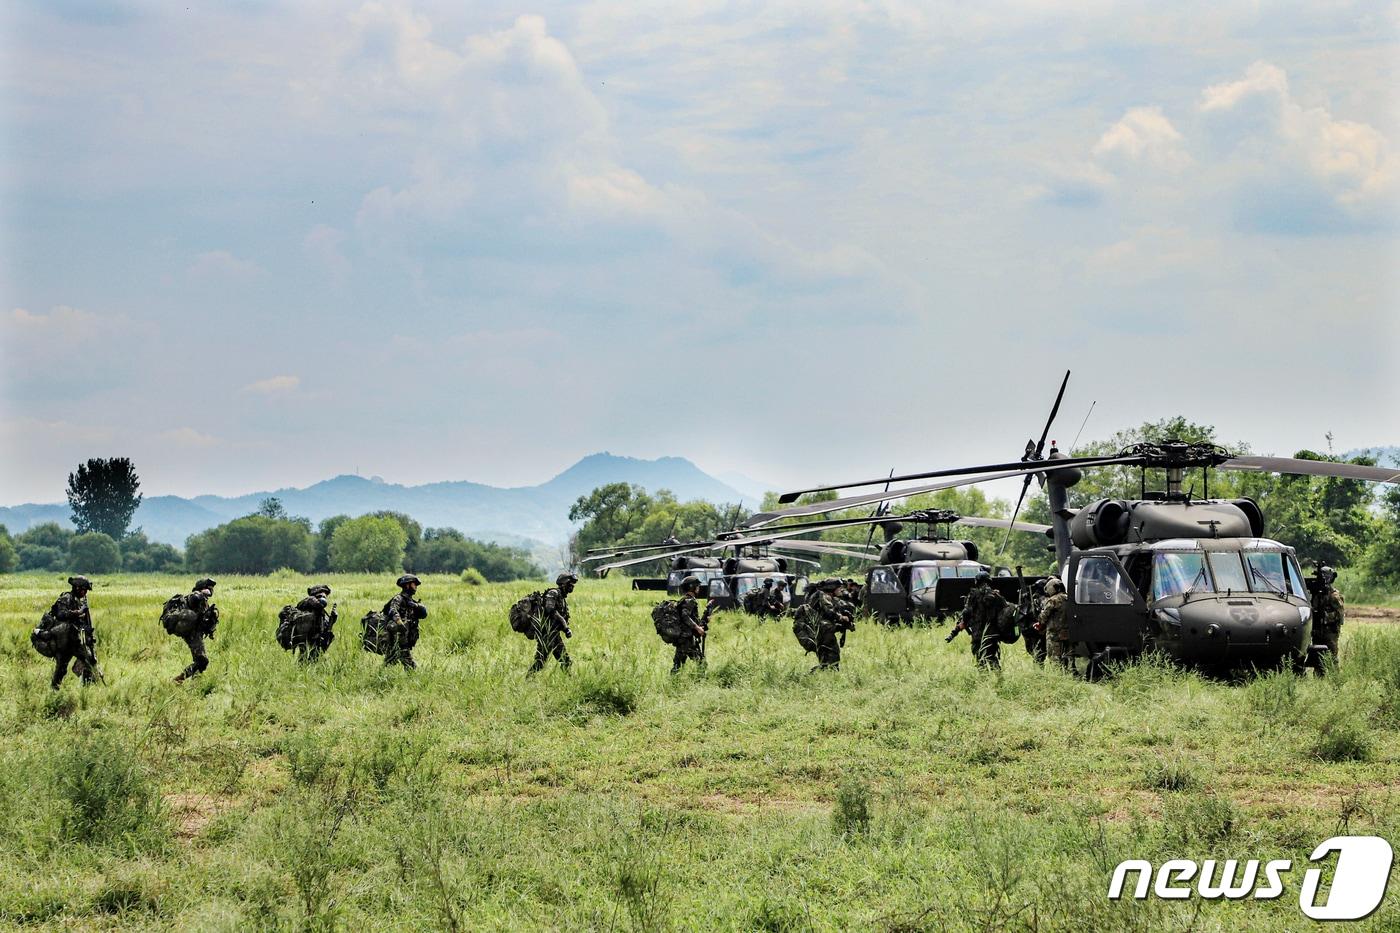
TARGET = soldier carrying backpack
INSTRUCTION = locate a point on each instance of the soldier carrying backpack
(192, 618)
(550, 625)
(308, 627)
(65, 634)
(821, 623)
(679, 623)
(393, 632)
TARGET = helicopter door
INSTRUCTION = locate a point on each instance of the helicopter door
(883, 594)
(1104, 606)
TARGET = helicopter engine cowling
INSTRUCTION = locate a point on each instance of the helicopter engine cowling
(1253, 513)
(1101, 523)
(971, 548)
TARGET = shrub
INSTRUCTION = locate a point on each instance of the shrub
(94, 552)
(254, 544)
(851, 816)
(472, 577)
(1171, 776)
(368, 544)
(105, 794)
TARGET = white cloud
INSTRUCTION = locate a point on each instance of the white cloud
(275, 385)
(1259, 115)
(1144, 134)
(188, 438)
(221, 264)
(60, 323)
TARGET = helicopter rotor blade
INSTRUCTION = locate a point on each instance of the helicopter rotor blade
(812, 547)
(1034, 453)
(976, 521)
(651, 557)
(1373, 474)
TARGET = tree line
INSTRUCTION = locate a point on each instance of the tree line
(104, 495)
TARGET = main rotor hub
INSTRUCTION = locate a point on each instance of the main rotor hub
(1177, 455)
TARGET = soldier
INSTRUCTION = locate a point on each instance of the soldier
(1054, 622)
(981, 619)
(69, 624)
(1329, 611)
(690, 646)
(781, 599)
(401, 617)
(833, 617)
(554, 623)
(313, 629)
(206, 621)
(757, 602)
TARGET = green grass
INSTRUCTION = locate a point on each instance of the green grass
(905, 792)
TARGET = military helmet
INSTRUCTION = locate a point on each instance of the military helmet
(768, 582)
(566, 579)
(204, 583)
(320, 589)
(405, 580)
(80, 582)
(984, 577)
(1053, 586)
(690, 581)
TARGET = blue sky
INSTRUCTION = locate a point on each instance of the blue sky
(259, 244)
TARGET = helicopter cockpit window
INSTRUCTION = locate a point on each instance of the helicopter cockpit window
(1101, 583)
(1229, 573)
(1266, 571)
(883, 580)
(948, 572)
(1178, 572)
(718, 588)
(1296, 586)
(921, 578)
(969, 572)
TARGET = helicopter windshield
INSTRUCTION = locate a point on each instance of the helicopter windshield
(923, 578)
(1266, 570)
(1175, 573)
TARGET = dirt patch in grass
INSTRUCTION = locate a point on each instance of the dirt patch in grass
(193, 812)
(727, 804)
(1373, 614)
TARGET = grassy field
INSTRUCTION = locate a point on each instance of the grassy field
(906, 792)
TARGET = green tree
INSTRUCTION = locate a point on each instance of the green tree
(48, 534)
(368, 544)
(9, 558)
(271, 507)
(103, 495)
(142, 555)
(1383, 556)
(253, 544)
(324, 532)
(413, 535)
(41, 557)
(94, 552)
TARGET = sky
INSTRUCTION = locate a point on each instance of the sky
(258, 244)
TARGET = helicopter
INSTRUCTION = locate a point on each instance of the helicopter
(726, 581)
(1192, 578)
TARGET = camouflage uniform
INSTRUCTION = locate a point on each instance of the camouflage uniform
(981, 617)
(70, 611)
(690, 646)
(554, 628)
(1054, 622)
(833, 619)
(312, 637)
(401, 617)
(198, 602)
(1329, 612)
(757, 602)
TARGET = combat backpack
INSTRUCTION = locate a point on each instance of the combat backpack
(292, 626)
(48, 636)
(177, 617)
(527, 614)
(804, 626)
(666, 615)
(374, 637)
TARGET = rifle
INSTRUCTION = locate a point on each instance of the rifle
(88, 641)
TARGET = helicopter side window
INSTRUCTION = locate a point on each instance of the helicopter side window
(1101, 583)
(1229, 573)
(1296, 586)
(922, 578)
(969, 572)
(883, 580)
(718, 588)
(948, 572)
(1178, 572)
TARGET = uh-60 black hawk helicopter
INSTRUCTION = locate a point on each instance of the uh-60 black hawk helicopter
(1192, 578)
(725, 581)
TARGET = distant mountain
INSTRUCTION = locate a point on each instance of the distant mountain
(520, 516)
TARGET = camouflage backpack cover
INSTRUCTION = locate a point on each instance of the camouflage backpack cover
(293, 624)
(804, 626)
(49, 636)
(526, 615)
(177, 617)
(373, 639)
(666, 616)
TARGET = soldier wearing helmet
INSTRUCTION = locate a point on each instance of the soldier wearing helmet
(1054, 621)
(401, 617)
(67, 629)
(690, 646)
(206, 621)
(981, 619)
(1329, 610)
(759, 600)
(554, 627)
